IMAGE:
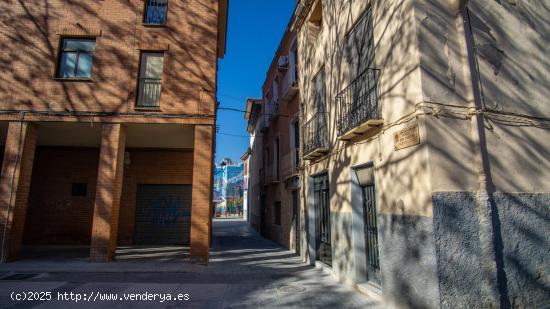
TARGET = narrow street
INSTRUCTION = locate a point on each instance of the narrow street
(245, 271)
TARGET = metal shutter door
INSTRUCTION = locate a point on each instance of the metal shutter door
(163, 215)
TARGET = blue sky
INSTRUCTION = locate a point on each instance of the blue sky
(255, 28)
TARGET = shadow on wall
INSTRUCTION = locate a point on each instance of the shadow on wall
(31, 44)
(440, 254)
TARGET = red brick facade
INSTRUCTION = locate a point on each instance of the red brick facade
(15, 184)
(32, 98)
(203, 169)
(30, 51)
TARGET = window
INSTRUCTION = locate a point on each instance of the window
(320, 91)
(75, 58)
(156, 12)
(359, 49)
(267, 162)
(277, 213)
(150, 74)
(294, 64)
(365, 181)
(315, 24)
(295, 143)
(322, 216)
(79, 189)
(276, 88)
(276, 158)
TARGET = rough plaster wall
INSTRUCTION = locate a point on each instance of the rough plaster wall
(408, 261)
(522, 226)
(342, 259)
(457, 249)
(524, 221)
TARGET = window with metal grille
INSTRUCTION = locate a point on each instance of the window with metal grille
(277, 213)
(371, 233)
(75, 58)
(156, 12)
(79, 189)
(322, 215)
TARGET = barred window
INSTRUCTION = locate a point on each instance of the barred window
(156, 12)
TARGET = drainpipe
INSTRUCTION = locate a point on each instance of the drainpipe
(484, 208)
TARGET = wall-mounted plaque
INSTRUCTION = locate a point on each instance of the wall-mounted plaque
(407, 137)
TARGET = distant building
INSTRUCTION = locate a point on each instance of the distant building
(255, 121)
(274, 126)
(220, 186)
(229, 189)
(246, 161)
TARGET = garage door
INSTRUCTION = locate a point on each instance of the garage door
(163, 215)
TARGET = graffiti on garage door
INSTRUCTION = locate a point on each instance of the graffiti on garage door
(168, 210)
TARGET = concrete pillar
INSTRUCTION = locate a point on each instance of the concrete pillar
(15, 183)
(108, 191)
(201, 212)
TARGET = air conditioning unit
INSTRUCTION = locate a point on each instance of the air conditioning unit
(282, 63)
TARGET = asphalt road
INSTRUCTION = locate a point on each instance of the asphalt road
(245, 271)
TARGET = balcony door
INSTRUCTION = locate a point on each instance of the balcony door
(293, 61)
(358, 102)
(360, 45)
(150, 76)
(320, 92)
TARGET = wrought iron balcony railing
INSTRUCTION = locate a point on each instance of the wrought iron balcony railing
(358, 104)
(315, 141)
(149, 92)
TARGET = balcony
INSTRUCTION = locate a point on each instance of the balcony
(149, 93)
(262, 123)
(273, 109)
(289, 165)
(290, 84)
(358, 110)
(316, 136)
(271, 176)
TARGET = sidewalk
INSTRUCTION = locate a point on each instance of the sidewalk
(245, 271)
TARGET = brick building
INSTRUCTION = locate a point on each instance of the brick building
(107, 115)
(274, 123)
